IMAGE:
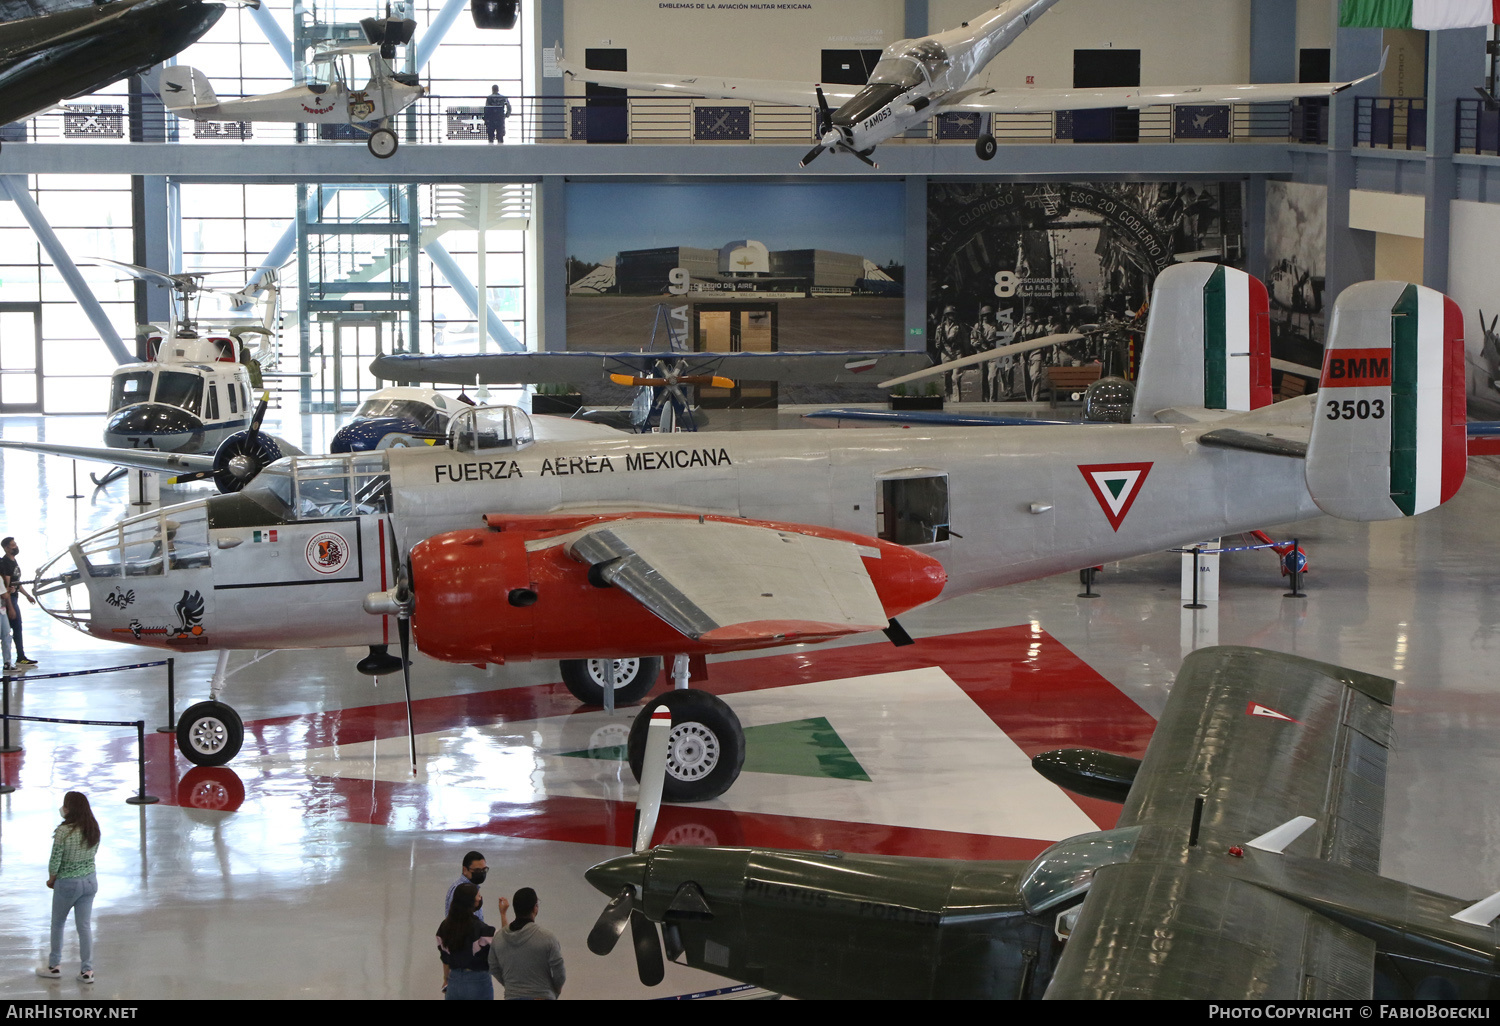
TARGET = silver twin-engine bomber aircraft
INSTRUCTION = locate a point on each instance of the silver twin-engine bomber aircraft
(523, 539)
(916, 79)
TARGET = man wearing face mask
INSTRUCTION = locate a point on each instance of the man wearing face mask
(474, 872)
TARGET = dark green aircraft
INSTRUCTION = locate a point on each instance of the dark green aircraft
(72, 50)
(1244, 865)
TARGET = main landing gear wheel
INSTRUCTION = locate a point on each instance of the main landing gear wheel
(705, 750)
(210, 734)
(585, 679)
(986, 147)
(382, 142)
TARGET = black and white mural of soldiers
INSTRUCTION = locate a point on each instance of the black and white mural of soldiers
(952, 344)
(984, 336)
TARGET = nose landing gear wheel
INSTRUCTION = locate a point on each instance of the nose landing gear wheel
(210, 734)
(705, 750)
(585, 679)
(986, 147)
(382, 142)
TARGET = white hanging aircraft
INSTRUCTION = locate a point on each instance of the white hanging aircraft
(916, 79)
(524, 539)
(331, 95)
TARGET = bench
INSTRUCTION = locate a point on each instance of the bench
(1062, 382)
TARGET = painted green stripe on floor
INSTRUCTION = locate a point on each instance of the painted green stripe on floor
(796, 748)
(1215, 342)
(1404, 370)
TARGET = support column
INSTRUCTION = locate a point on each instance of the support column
(1453, 70)
(14, 187)
(548, 114)
(151, 234)
(1351, 253)
(1273, 58)
(550, 221)
(918, 19)
(916, 263)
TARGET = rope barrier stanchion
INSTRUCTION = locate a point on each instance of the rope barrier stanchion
(170, 727)
(1195, 604)
(5, 745)
(76, 493)
(141, 797)
(1296, 591)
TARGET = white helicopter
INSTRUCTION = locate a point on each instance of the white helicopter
(193, 392)
(328, 97)
(918, 78)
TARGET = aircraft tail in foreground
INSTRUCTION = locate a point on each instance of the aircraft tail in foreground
(1208, 343)
(1389, 433)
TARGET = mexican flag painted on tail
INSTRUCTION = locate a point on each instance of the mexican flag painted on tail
(1418, 14)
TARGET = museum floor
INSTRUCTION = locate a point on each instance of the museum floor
(317, 867)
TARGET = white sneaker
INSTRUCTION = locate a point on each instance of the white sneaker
(49, 972)
(87, 976)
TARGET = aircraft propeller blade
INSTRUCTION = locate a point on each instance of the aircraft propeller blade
(653, 777)
(403, 633)
(610, 925)
(650, 966)
(260, 414)
(864, 158)
(825, 115)
(812, 155)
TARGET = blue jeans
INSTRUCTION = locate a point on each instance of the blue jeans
(464, 985)
(75, 894)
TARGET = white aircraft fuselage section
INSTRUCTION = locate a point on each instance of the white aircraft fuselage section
(994, 505)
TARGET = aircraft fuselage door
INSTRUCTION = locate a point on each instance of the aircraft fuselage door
(300, 583)
(912, 507)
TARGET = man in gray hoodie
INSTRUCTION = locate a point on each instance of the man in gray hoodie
(526, 959)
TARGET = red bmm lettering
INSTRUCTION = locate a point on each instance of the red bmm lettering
(1356, 368)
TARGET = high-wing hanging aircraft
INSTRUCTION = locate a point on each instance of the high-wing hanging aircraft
(72, 51)
(332, 94)
(550, 539)
(1244, 865)
(916, 79)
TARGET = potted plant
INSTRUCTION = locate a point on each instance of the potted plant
(917, 398)
(556, 399)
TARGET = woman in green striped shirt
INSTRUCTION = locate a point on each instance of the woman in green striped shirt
(70, 874)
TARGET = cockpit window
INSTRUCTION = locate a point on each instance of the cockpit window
(1065, 870)
(136, 547)
(129, 389)
(490, 427)
(175, 388)
(326, 488)
(419, 413)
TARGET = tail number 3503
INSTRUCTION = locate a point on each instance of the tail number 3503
(1364, 409)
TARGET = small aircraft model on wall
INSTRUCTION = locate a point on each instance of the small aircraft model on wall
(524, 539)
(1244, 866)
(332, 94)
(80, 48)
(916, 79)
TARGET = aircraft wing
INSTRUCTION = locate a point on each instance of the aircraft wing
(588, 368)
(135, 459)
(1263, 737)
(1019, 101)
(734, 582)
(795, 94)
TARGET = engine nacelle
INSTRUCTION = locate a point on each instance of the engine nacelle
(482, 597)
(495, 14)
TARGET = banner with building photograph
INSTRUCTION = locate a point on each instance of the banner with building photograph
(1296, 265)
(1010, 262)
(800, 267)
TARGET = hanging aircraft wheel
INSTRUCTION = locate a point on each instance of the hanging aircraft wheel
(585, 679)
(986, 147)
(210, 734)
(382, 142)
(705, 750)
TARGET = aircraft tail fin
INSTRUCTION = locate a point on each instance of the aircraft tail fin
(1390, 434)
(1208, 342)
(184, 89)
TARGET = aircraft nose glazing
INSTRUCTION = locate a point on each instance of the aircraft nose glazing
(61, 593)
